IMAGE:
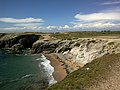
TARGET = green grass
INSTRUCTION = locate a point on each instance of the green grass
(81, 79)
(75, 35)
(111, 43)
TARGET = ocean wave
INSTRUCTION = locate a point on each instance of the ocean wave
(4, 82)
(26, 76)
(38, 59)
(42, 58)
(17, 79)
(48, 69)
(26, 54)
(14, 80)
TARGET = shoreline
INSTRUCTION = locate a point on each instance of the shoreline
(59, 70)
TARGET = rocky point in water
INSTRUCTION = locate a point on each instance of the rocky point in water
(16, 42)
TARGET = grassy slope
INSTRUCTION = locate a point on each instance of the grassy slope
(82, 79)
(75, 35)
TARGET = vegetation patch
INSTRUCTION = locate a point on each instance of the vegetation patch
(75, 35)
(111, 43)
(89, 75)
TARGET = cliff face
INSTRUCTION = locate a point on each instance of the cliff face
(77, 53)
(74, 53)
(17, 42)
(51, 46)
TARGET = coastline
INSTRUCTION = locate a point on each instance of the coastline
(59, 70)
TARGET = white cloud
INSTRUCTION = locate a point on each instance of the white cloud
(97, 25)
(22, 24)
(66, 27)
(25, 20)
(13, 28)
(36, 27)
(106, 19)
(29, 25)
(110, 3)
(51, 27)
(106, 16)
(77, 26)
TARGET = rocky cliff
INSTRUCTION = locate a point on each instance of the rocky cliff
(77, 53)
(17, 41)
(73, 53)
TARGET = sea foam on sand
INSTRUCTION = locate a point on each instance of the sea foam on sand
(49, 69)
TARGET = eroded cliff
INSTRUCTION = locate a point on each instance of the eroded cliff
(17, 41)
(77, 53)
(73, 53)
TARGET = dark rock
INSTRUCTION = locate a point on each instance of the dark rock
(2, 34)
(28, 40)
(51, 47)
(44, 46)
(17, 48)
(2, 44)
(64, 46)
(20, 42)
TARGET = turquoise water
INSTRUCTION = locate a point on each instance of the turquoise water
(21, 72)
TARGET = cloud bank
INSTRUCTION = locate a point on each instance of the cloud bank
(103, 20)
(101, 16)
(26, 20)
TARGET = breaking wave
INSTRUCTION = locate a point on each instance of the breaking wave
(48, 69)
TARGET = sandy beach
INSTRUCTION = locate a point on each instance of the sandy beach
(60, 71)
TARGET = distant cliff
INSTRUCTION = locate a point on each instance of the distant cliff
(17, 41)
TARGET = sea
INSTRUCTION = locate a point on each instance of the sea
(25, 71)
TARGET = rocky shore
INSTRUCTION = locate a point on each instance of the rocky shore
(66, 56)
(73, 53)
(17, 41)
(76, 53)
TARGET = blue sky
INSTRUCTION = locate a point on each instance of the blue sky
(59, 15)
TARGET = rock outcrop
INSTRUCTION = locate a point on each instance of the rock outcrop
(51, 46)
(74, 53)
(77, 53)
(18, 42)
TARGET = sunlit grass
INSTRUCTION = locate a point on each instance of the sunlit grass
(83, 78)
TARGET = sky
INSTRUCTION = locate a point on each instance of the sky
(59, 15)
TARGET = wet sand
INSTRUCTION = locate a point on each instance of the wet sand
(60, 72)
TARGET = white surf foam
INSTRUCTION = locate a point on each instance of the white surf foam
(41, 58)
(23, 77)
(49, 70)
(14, 80)
(38, 59)
(26, 76)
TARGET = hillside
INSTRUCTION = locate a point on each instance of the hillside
(101, 74)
